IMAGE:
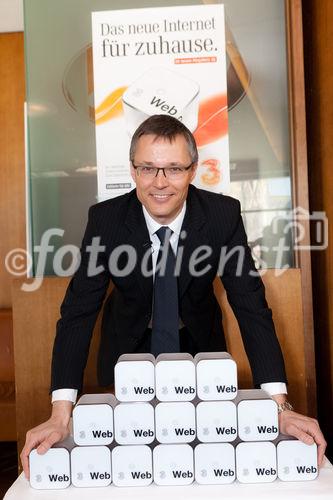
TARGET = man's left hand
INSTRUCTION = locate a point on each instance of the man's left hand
(304, 428)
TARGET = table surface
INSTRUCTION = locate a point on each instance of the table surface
(320, 488)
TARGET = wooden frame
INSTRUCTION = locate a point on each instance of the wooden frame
(294, 32)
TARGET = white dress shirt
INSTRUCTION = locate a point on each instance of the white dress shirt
(71, 394)
(153, 226)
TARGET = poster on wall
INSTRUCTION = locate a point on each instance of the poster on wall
(168, 60)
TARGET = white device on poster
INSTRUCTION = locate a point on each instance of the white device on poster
(175, 422)
(216, 376)
(216, 421)
(134, 378)
(173, 464)
(134, 423)
(175, 377)
(132, 465)
(93, 420)
(296, 461)
(257, 416)
(91, 466)
(256, 462)
(51, 470)
(214, 463)
(161, 91)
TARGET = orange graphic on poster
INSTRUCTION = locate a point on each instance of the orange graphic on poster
(212, 175)
(212, 120)
(111, 107)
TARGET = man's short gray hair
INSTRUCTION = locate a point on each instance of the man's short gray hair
(167, 127)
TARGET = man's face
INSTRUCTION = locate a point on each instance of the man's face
(162, 197)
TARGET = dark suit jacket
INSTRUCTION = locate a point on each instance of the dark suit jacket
(210, 219)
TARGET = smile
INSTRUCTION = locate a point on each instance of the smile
(161, 196)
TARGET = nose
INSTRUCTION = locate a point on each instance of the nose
(160, 180)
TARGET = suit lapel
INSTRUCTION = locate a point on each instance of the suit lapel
(139, 238)
(193, 223)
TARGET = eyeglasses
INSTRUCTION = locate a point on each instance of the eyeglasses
(169, 172)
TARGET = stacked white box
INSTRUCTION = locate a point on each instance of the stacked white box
(257, 416)
(134, 377)
(173, 464)
(91, 466)
(257, 453)
(175, 377)
(216, 421)
(52, 469)
(134, 423)
(296, 461)
(134, 420)
(215, 463)
(93, 420)
(175, 422)
(256, 462)
(216, 376)
(132, 465)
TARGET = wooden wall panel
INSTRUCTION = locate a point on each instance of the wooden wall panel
(284, 295)
(35, 315)
(12, 208)
(7, 386)
(12, 183)
(318, 46)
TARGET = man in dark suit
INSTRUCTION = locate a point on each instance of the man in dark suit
(203, 235)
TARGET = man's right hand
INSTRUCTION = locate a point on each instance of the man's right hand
(45, 435)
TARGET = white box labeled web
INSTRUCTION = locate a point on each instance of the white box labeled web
(93, 420)
(216, 421)
(161, 91)
(173, 464)
(175, 422)
(134, 423)
(91, 466)
(257, 417)
(175, 377)
(135, 378)
(256, 462)
(216, 376)
(132, 465)
(51, 470)
(297, 461)
(214, 463)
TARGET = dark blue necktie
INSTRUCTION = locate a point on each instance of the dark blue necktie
(165, 325)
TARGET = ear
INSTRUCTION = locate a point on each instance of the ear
(133, 173)
(193, 171)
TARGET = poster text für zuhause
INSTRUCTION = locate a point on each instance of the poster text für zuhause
(114, 48)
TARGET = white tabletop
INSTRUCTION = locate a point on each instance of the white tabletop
(320, 488)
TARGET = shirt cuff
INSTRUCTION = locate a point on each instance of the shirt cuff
(64, 395)
(274, 388)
